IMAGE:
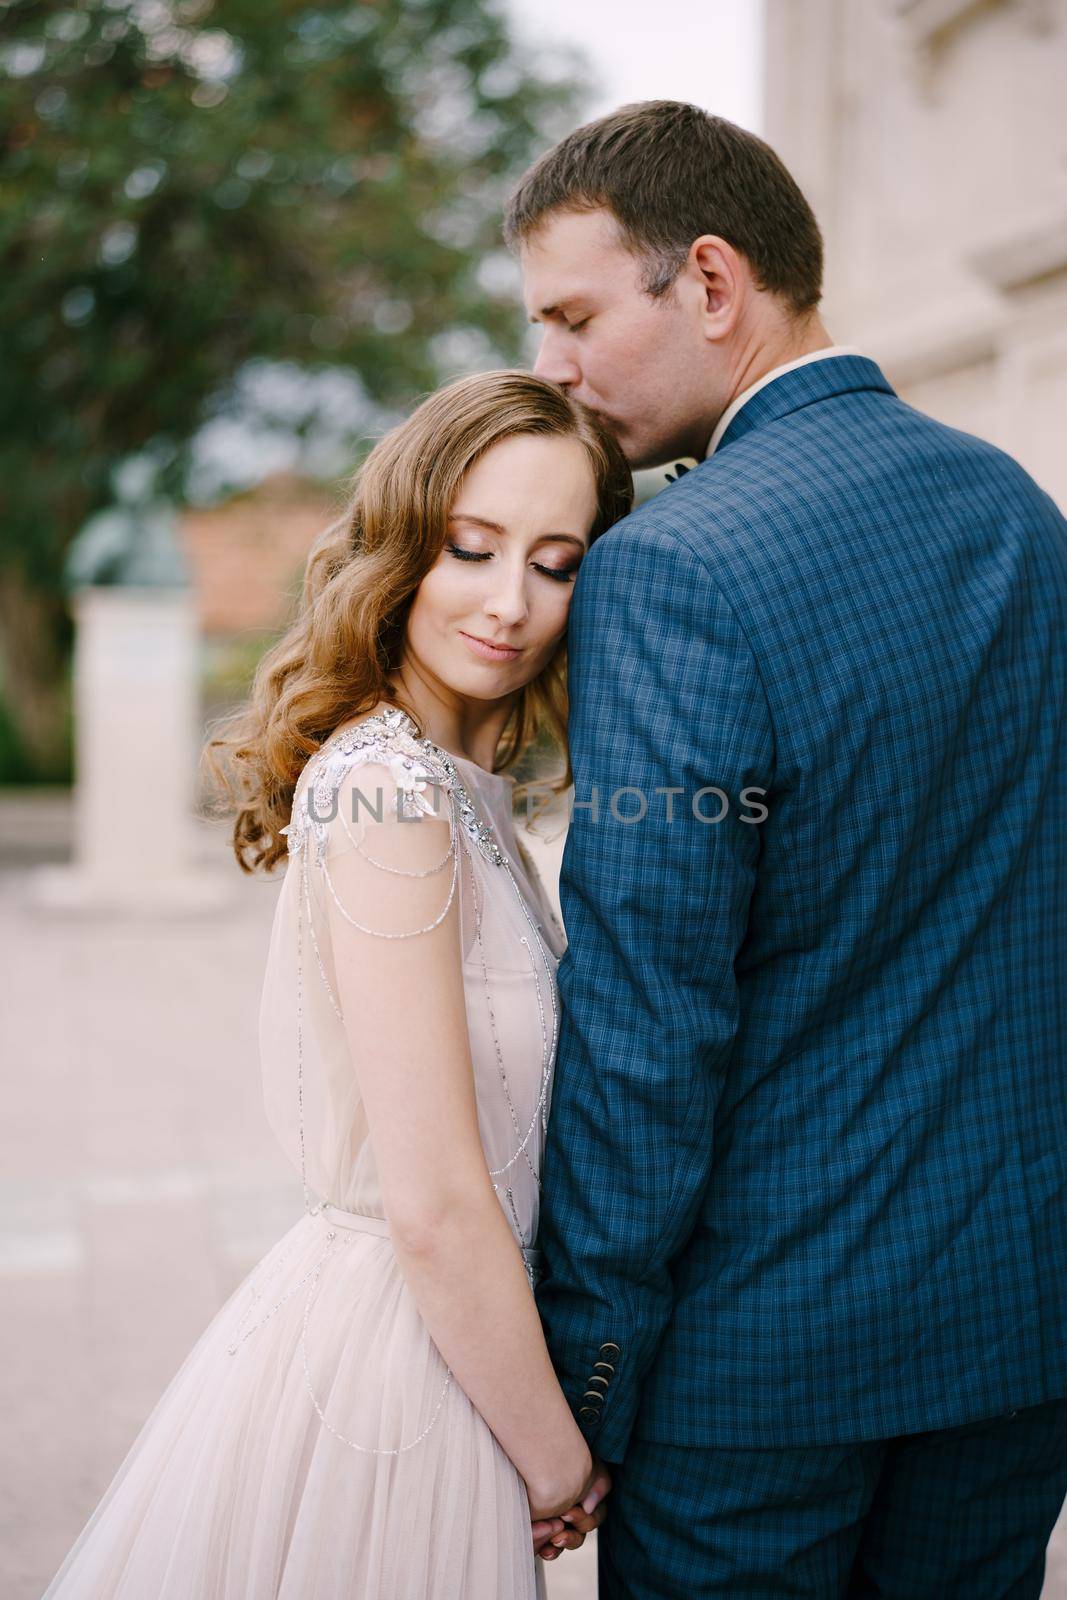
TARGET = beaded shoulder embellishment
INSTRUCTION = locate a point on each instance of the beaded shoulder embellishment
(390, 739)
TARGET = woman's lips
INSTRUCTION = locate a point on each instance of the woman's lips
(488, 652)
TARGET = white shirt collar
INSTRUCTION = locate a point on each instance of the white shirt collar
(768, 377)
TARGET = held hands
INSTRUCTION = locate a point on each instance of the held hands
(567, 1530)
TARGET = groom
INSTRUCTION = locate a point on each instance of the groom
(805, 1190)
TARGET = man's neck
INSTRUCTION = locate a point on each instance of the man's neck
(764, 364)
(789, 343)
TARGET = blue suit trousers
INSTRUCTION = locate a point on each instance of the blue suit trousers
(961, 1513)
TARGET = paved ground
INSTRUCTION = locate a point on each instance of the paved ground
(140, 1183)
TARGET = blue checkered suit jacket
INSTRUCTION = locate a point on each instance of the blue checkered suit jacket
(806, 1172)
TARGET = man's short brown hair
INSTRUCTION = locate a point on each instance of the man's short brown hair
(669, 172)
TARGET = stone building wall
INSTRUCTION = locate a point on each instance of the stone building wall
(931, 138)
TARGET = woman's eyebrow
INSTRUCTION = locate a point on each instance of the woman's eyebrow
(496, 527)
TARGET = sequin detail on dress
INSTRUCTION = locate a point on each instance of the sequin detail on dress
(390, 739)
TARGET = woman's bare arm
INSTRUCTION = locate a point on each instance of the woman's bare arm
(405, 1013)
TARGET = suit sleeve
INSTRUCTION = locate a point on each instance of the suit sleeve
(664, 695)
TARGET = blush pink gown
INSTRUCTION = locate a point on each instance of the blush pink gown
(313, 1444)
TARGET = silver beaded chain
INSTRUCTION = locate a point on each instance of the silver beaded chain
(368, 736)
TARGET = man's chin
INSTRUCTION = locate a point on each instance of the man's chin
(644, 454)
(641, 453)
(632, 448)
(649, 457)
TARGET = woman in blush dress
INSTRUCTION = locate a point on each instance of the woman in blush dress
(373, 1411)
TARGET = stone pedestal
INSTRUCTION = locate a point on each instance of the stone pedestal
(136, 746)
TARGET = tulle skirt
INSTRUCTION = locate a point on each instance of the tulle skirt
(239, 1488)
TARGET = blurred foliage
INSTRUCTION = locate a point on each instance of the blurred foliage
(227, 667)
(187, 187)
(15, 764)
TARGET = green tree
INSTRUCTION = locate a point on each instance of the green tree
(187, 186)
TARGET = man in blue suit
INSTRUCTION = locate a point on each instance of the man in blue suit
(805, 1191)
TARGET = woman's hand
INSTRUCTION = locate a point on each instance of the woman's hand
(564, 1485)
(568, 1530)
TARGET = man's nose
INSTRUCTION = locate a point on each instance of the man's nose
(555, 366)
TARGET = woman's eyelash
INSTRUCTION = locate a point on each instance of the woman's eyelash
(558, 574)
(468, 555)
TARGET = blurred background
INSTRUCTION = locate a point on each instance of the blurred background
(239, 238)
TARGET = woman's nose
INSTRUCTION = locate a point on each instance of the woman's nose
(507, 601)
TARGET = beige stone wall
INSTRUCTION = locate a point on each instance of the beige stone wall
(931, 138)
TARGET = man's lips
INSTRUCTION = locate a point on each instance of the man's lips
(487, 650)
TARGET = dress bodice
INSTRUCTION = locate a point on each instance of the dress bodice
(359, 870)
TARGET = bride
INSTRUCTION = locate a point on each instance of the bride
(373, 1412)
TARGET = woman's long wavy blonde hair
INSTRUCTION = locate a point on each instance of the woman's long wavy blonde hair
(334, 662)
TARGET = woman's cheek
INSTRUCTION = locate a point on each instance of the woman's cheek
(442, 590)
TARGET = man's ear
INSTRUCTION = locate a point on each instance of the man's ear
(721, 274)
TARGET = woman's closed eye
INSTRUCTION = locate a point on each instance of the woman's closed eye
(557, 574)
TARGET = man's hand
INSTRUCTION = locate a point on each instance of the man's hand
(568, 1530)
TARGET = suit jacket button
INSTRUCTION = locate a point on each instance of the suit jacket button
(587, 1411)
(597, 1379)
(605, 1365)
(605, 1349)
